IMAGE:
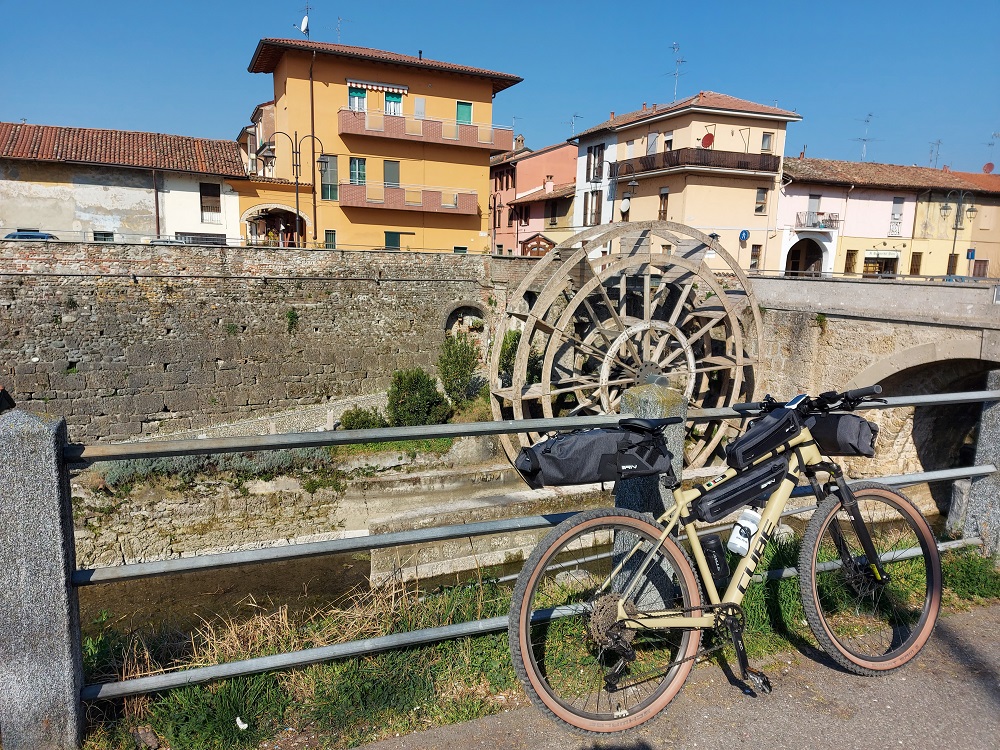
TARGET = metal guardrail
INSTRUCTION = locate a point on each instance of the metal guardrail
(149, 449)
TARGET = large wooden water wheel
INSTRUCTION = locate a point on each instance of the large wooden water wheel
(621, 305)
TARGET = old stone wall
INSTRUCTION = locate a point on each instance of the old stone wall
(131, 340)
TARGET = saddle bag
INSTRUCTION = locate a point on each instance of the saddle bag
(600, 455)
(741, 490)
(844, 435)
(764, 435)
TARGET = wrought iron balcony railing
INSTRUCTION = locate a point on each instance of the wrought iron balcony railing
(817, 220)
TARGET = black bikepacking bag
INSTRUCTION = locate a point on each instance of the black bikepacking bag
(740, 490)
(844, 435)
(763, 436)
(587, 456)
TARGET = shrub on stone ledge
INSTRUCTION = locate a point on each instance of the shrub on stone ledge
(413, 399)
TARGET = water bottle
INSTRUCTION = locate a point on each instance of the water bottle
(743, 531)
(715, 556)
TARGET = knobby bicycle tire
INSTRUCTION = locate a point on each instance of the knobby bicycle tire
(865, 626)
(562, 622)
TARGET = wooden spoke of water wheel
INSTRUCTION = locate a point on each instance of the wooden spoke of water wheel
(592, 327)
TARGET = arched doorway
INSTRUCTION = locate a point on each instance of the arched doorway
(537, 245)
(272, 225)
(805, 258)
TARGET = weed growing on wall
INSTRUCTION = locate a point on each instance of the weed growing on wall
(413, 399)
(292, 319)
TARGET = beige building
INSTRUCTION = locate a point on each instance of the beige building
(711, 161)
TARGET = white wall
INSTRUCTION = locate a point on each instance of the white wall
(180, 207)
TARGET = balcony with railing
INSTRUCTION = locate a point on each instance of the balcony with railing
(817, 220)
(695, 158)
(409, 198)
(424, 130)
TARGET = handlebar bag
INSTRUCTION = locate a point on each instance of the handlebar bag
(764, 435)
(844, 435)
(741, 490)
(599, 455)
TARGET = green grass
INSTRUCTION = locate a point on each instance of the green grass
(358, 700)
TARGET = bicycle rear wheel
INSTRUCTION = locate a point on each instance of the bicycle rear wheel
(576, 662)
(867, 626)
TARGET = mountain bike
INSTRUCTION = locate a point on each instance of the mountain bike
(609, 612)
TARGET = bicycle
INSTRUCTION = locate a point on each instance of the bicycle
(608, 613)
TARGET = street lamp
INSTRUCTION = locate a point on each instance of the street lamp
(496, 205)
(269, 156)
(964, 197)
(627, 197)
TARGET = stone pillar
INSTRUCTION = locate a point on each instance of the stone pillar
(983, 513)
(653, 402)
(41, 672)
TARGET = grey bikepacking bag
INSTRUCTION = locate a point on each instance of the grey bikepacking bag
(588, 456)
(844, 435)
(764, 435)
(741, 490)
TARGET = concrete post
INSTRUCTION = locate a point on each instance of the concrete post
(983, 514)
(41, 672)
(653, 402)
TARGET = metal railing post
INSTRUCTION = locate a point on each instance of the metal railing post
(983, 513)
(652, 402)
(41, 672)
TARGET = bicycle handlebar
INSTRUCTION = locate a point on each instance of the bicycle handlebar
(822, 403)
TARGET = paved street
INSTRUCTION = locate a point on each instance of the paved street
(948, 697)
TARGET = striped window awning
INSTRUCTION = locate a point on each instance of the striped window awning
(375, 86)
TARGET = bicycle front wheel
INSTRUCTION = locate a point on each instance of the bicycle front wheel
(577, 662)
(865, 625)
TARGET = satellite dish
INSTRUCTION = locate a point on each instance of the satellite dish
(707, 140)
(988, 168)
(304, 28)
(626, 204)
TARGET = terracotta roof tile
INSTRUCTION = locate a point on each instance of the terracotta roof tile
(702, 100)
(508, 156)
(872, 174)
(269, 51)
(124, 148)
(988, 182)
(558, 191)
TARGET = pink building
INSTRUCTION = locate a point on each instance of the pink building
(531, 198)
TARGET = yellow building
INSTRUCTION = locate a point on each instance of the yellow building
(371, 149)
(711, 161)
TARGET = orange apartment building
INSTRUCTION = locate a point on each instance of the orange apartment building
(372, 149)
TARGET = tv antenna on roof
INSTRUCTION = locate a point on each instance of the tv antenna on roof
(677, 69)
(303, 27)
(572, 122)
(935, 151)
(339, 22)
(865, 140)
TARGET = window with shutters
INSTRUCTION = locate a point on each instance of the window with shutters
(664, 196)
(980, 268)
(463, 113)
(595, 163)
(550, 213)
(760, 206)
(767, 142)
(592, 208)
(525, 214)
(392, 240)
(915, 261)
(651, 141)
(357, 171)
(330, 239)
(328, 179)
(755, 256)
(391, 173)
(211, 202)
(952, 264)
(668, 140)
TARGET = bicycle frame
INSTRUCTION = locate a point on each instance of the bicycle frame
(742, 575)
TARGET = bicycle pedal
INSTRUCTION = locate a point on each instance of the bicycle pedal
(759, 680)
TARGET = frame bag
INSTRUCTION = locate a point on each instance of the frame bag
(763, 435)
(741, 490)
(844, 435)
(589, 456)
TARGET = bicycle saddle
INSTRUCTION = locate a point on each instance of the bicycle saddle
(638, 424)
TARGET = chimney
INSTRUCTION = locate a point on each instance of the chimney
(548, 183)
(945, 168)
(644, 106)
(420, 54)
(612, 115)
(654, 106)
(518, 142)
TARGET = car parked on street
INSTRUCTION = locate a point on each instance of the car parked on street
(30, 235)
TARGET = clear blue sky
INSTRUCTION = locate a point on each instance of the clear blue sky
(924, 70)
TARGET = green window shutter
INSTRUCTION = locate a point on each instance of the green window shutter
(392, 240)
(330, 239)
(463, 113)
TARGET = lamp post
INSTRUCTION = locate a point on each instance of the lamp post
(296, 144)
(496, 204)
(963, 197)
